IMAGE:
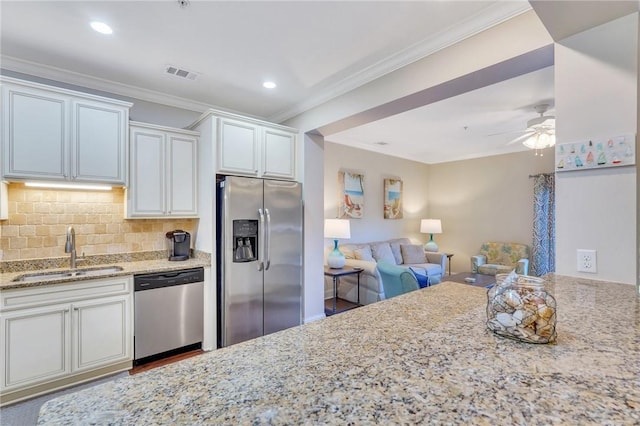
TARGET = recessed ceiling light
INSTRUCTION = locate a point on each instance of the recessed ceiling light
(101, 27)
(269, 85)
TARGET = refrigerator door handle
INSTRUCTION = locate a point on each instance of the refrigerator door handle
(261, 236)
(268, 241)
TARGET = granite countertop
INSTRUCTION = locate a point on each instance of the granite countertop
(128, 268)
(424, 357)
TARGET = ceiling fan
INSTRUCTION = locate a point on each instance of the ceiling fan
(540, 132)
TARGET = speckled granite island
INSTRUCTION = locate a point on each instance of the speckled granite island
(424, 357)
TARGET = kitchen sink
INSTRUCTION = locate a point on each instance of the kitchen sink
(40, 276)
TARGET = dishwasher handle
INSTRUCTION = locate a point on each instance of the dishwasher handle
(166, 279)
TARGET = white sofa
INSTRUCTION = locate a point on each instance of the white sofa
(400, 251)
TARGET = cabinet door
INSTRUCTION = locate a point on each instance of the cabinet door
(146, 195)
(183, 171)
(35, 345)
(99, 141)
(35, 133)
(102, 332)
(238, 147)
(278, 154)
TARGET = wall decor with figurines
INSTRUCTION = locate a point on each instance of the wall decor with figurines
(596, 153)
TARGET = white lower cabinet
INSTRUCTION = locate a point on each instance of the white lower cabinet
(36, 345)
(101, 332)
(64, 331)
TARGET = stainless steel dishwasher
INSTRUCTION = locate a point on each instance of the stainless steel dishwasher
(168, 313)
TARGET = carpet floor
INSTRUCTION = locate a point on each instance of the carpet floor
(26, 413)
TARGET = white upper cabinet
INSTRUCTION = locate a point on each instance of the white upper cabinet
(238, 148)
(278, 154)
(99, 136)
(248, 147)
(57, 134)
(35, 132)
(163, 172)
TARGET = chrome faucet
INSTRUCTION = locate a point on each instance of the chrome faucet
(70, 247)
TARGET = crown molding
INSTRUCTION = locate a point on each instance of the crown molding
(95, 83)
(493, 15)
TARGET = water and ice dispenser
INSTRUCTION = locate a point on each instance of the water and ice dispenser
(245, 240)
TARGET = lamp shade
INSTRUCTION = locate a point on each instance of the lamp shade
(337, 228)
(431, 226)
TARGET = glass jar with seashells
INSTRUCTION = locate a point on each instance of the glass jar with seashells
(520, 308)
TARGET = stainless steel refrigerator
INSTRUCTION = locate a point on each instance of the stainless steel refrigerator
(259, 257)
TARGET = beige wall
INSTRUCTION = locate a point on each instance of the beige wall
(38, 221)
(375, 168)
(596, 77)
(484, 199)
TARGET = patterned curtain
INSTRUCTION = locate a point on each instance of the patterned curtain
(543, 253)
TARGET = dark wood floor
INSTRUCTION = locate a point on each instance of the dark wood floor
(341, 306)
(165, 361)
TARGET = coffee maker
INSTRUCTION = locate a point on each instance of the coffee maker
(178, 244)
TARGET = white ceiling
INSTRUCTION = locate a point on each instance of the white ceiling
(479, 123)
(314, 50)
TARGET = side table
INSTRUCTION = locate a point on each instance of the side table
(335, 274)
(449, 256)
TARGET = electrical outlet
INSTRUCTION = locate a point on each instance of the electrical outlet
(587, 261)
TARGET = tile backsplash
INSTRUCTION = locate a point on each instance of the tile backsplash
(39, 218)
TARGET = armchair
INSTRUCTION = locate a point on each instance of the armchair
(499, 258)
(396, 280)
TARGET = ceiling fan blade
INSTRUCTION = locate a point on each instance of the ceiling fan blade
(505, 133)
(521, 138)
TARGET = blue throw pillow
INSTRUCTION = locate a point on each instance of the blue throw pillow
(423, 280)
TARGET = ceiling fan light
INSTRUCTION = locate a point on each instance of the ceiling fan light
(540, 140)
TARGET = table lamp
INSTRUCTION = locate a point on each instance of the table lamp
(336, 228)
(431, 226)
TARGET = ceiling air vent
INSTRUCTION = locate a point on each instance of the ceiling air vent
(179, 72)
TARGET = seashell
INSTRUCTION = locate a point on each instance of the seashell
(505, 319)
(534, 338)
(523, 333)
(524, 317)
(546, 331)
(518, 316)
(541, 323)
(496, 306)
(512, 298)
(505, 306)
(545, 312)
(538, 300)
(550, 301)
(495, 325)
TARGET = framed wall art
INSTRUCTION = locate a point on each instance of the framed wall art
(392, 199)
(596, 153)
(350, 195)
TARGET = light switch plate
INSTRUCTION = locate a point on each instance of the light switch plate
(587, 261)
